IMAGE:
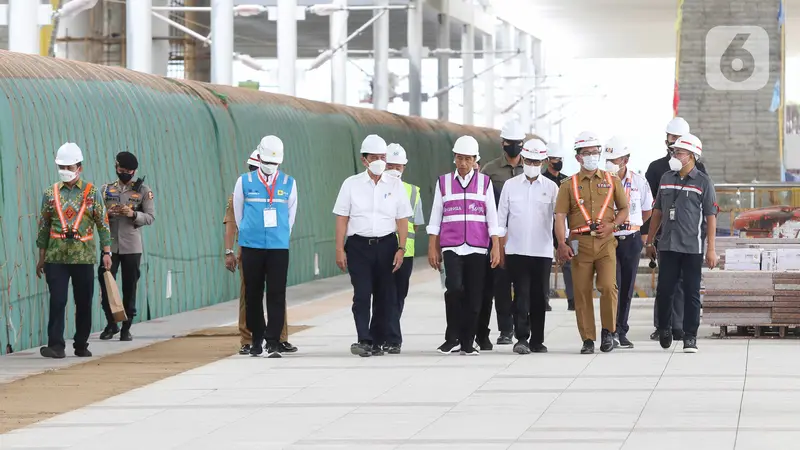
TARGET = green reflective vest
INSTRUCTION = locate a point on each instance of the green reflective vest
(413, 195)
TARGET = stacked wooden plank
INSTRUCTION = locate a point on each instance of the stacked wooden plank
(786, 304)
(738, 297)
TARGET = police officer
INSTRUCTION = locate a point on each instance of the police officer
(71, 210)
(555, 162)
(588, 201)
(675, 128)
(265, 207)
(498, 282)
(372, 212)
(526, 212)
(396, 161)
(686, 211)
(131, 206)
(461, 231)
(629, 238)
(231, 260)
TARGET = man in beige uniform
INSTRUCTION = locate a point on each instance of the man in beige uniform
(231, 260)
(131, 206)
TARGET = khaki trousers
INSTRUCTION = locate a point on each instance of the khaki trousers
(600, 257)
(245, 336)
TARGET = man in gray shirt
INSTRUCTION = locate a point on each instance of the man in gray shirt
(686, 211)
(131, 205)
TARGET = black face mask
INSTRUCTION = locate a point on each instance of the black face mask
(513, 149)
(125, 177)
(557, 166)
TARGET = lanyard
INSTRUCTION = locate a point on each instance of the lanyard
(270, 191)
(680, 190)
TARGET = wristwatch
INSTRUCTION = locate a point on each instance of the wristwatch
(228, 252)
(107, 253)
(401, 249)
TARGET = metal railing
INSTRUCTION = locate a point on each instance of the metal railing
(735, 198)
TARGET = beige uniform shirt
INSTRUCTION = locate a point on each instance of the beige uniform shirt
(126, 235)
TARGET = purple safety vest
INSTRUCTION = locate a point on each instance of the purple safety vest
(464, 211)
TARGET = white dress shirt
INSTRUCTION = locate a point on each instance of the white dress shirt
(373, 208)
(526, 212)
(640, 200)
(238, 198)
(435, 225)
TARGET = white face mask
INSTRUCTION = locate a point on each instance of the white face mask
(531, 171)
(269, 169)
(394, 173)
(591, 162)
(377, 167)
(67, 175)
(675, 164)
(611, 167)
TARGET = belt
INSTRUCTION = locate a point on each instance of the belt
(626, 236)
(371, 240)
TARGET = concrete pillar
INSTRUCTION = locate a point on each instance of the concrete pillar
(23, 26)
(380, 81)
(414, 37)
(468, 72)
(139, 35)
(540, 126)
(527, 83)
(287, 46)
(506, 42)
(338, 33)
(443, 42)
(75, 36)
(222, 42)
(729, 110)
(488, 81)
(160, 47)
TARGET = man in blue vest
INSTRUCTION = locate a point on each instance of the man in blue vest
(265, 206)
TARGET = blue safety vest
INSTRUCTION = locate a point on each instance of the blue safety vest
(252, 230)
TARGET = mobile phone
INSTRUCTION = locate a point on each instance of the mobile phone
(574, 245)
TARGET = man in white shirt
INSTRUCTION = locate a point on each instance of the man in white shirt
(462, 226)
(369, 210)
(526, 209)
(629, 239)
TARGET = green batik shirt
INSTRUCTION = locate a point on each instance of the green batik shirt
(73, 251)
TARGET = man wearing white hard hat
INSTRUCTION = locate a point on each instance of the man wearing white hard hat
(593, 204)
(685, 211)
(675, 128)
(555, 163)
(265, 208)
(71, 209)
(463, 225)
(392, 339)
(526, 209)
(629, 238)
(372, 212)
(498, 282)
(231, 262)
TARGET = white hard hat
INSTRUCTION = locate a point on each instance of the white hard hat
(677, 127)
(689, 142)
(466, 145)
(586, 139)
(554, 152)
(616, 147)
(534, 149)
(253, 159)
(512, 131)
(69, 154)
(270, 150)
(396, 154)
(373, 145)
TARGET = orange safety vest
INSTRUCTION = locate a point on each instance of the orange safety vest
(591, 225)
(73, 233)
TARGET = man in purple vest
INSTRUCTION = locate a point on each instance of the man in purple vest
(463, 224)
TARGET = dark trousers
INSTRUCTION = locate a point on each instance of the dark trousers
(130, 278)
(531, 278)
(566, 271)
(402, 279)
(678, 301)
(497, 285)
(629, 252)
(260, 266)
(686, 268)
(370, 262)
(57, 277)
(464, 277)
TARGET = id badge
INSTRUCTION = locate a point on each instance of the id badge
(270, 218)
(672, 213)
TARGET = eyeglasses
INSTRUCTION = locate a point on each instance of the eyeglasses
(590, 153)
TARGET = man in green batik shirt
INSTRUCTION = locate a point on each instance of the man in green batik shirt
(71, 209)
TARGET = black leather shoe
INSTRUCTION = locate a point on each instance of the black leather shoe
(522, 348)
(547, 306)
(654, 336)
(245, 350)
(538, 348)
(677, 335)
(109, 332)
(83, 353)
(50, 352)
(125, 335)
(504, 339)
(285, 347)
(588, 347)
(570, 305)
(484, 343)
(363, 349)
(665, 338)
(606, 341)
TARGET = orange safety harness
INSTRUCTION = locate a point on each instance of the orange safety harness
(591, 225)
(66, 232)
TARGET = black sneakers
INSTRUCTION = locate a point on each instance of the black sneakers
(654, 335)
(273, 350)
(377, 350)
(504, 339)
(83, 353)
(245, 349)
(449, 347)
(51, 352)
(125, 336)
(537, 348)
(624, 342)
(363, 349)
(606, 341)
(109, 332)
(588, 347)
(570, 305)
(470, 351)
(521, 347)
(665, 338)
(689, 344)
(484, 343)
(285, 347)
